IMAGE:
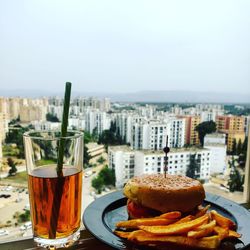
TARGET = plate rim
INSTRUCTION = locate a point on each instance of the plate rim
(100, 206)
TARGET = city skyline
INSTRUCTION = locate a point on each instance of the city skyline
(116, 47)
(154, 96)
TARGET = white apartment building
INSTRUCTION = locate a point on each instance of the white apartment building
(176, 129)
(219, 138)
(90, 102)
(121, 159)
(216, 143)
(124, 122)
(77, 122)
(97, 119)
(45, 125)
(147, 111)
(152, 134)
(152, 162)
(176, 110)
(149, 135)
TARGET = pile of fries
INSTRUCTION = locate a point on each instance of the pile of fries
(205, 229)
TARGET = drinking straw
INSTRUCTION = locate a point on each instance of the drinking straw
(60, 180)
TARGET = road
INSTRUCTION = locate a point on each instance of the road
(87, 198)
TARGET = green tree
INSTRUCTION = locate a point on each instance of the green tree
(193, 167)
(101, 160)
(244, 145)
(234, 147)
(24, 217)
(239, 147)
(95, 134)
(86, 157)
(108, 176)
(15, 135)
(205, 128)
(87, 137)
(243, 155)
(98, 184)
(236, 181)
(12, 166)
(111, 136)
(51, 118)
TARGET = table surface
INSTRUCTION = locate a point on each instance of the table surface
(86, 241)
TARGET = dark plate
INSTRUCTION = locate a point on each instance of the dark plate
(101, 216)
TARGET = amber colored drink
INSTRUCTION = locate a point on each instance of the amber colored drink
(43, 182)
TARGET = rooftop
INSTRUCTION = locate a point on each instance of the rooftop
(217, 135)
(126, 148)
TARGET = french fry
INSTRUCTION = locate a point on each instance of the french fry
(224, 233)
(135, 223)
(176, 228)
(233, 234)
(171, 215)
(209, 242)
(222, 221)
(221, 232)
(190, 231)
(205, 226)
(122, 234)
(203, 230)
(140, 236)
(184, 219)
(202, 211)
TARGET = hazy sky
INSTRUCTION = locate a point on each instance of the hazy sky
(123, 46)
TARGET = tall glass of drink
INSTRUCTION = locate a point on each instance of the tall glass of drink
(55, 197)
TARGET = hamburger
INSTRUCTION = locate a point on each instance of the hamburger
(150, 195)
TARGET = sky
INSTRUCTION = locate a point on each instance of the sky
(125, 46)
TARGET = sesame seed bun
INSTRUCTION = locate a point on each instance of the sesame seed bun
(173, 193)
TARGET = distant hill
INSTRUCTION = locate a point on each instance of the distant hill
(145, 96)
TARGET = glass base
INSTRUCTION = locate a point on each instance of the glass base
(57, 243)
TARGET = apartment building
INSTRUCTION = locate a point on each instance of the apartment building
(191, 122)
(149, 134)
(216, 143)
(128, 163)
(122, 160)
(90, 102)
(246, 124)
(29, 113)
(233, 127)
(176, 131)
(124, 122)
(10, 106)
(4, 120)
(96, 119)
(45, 125)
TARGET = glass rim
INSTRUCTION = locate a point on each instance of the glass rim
(76, 134)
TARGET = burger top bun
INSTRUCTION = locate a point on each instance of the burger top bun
(173, 193)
